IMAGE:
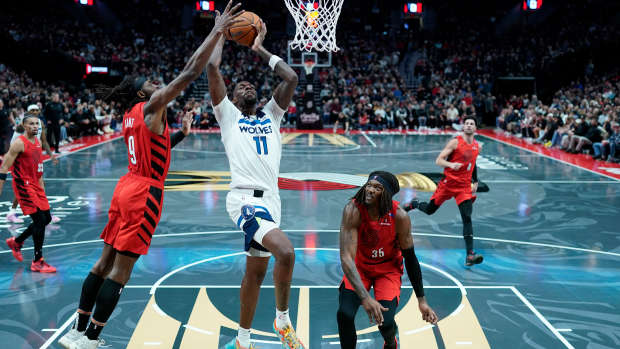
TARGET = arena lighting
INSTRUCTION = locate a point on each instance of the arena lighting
(532, 5)
(412, 8)
(96, 70)
(85, 2)
(205, 5)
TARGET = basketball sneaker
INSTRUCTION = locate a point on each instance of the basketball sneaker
(473, 258)
(70, 337)
(16, 248)
(288, 337)
(85, 343)
(12, 217)
(234, 344)
(41, 266)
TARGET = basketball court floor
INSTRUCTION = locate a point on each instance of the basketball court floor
(549, 232)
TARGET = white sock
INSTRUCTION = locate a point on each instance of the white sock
(12, 210)
(282, 318)
(243, 335)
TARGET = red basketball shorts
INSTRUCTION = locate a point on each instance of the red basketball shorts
(386, 282)
(446, 192)
(30, 195)
(134, 213)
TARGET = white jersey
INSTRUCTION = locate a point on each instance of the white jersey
(253, 144)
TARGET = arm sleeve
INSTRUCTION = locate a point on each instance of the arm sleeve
(474, 176)
(176, 138)
(413, 271)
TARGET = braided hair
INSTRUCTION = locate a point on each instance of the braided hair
(390, 187)
(125, 93)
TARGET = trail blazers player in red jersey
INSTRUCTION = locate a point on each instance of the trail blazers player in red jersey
(24, 161)
(136, 204)
(459, 160)
(375, 238)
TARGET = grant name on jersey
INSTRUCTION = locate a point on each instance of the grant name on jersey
(129, 122)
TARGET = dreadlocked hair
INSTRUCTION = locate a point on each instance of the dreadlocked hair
(125, 93)
(385, 201)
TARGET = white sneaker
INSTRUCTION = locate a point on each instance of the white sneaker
(99, 132)
(70, 337)
(12, 217)
(55, 219)
(85, 343)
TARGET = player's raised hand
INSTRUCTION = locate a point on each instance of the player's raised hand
(228, 18)
(374, 310)
(428, 314)
(262, 32)
(187, 122)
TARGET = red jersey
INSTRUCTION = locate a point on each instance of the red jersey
(377, 243)
(27, 171)
(466, 154)
(28, 165)
(148, 153)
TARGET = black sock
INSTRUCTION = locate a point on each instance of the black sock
(469, 244)
(108, 297)
(93, 331)
(82, 322)
(38, 236)
(90, 289)
(26, 234)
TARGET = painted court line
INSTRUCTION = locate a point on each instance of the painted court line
(59, 331)
(368, 139)
(542, 318)
(190, 327)
(518, 242)
(564, 330)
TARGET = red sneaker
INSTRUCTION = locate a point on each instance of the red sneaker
(15, 248)
(41, 266)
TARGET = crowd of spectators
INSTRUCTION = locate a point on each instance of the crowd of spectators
(363, 89)
(582, 118)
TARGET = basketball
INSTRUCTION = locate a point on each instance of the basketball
(245, 31)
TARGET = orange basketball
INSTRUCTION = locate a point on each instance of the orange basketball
(245, 31)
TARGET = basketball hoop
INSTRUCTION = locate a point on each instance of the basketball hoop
(315, 22)
(308, 66)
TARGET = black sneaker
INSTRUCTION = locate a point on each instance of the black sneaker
(473, 258)
(412, 205)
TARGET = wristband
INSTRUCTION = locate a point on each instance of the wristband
(273, 61)
(2, 176)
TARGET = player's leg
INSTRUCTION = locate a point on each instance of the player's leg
(441, 194)
(280, 246)
(387, 292)
(348, 304)
(110, 292)
(255, 270)
(389, 328)
(465, 208)
(90, 290)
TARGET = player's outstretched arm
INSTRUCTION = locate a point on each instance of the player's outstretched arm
(178, 136)
(153, 110)
(443, 156)
(217, 87)
(283, 94)
(16, 147)
(348, 248)
(405, 240)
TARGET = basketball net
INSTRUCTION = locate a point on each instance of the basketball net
(315, 22)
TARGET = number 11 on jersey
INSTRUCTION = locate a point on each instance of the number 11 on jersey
(259, 140)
